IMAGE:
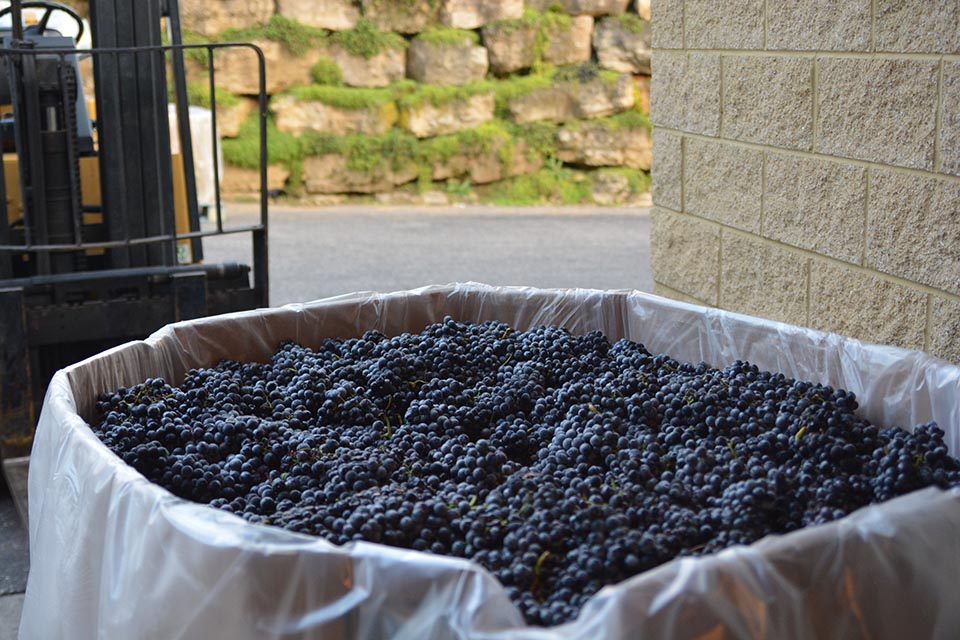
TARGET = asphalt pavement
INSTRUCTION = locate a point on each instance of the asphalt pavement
(317, 253)
(324, 252)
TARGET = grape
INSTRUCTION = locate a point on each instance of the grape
(560, 463)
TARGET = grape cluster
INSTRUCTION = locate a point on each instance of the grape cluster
(560, 463)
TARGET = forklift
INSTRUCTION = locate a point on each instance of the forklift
(100, 229)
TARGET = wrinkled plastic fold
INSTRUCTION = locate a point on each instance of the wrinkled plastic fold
(114, 556)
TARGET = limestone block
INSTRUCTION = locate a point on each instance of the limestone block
(336, 15)
(237, 69)
(448, 64)
(229, 118)
(383, 69)
(610, 188)
(736, 24)
(819, 25)
(212, 18)
(667, 170)
(510, 50)
(550, 104)
(918, 26)
(426, 120)
(945, 329)
(473, 14)
(402, 17)
(857, 304)
(761, 279)
(723, 182)
(620, 48)
(913, 228)
(300, 116)
(242, 180)
(878, 110)
(685, 254)
(566, 101)
(642, 91)
(768, 100)
(591, 7)
(597, 99)
(484, 167)
(643, 9)
(685, 92)
(816, 205)
(569, 46)
(668, 16)
(596, 144)
(950, 120)
(330, 174)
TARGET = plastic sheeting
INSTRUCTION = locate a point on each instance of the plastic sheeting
(201, 141)
(114, 556)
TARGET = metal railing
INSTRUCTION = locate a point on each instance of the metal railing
(121, 231)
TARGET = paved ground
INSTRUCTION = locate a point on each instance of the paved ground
(319, 253)
(14, 564)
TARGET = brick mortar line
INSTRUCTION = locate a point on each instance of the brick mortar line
(873, 25)
(763, 189)
(809, 318)
(720, 124)
(683, 172)
(937, 121)
(834, 55)
(719, 266)
(766, 23)
(809, 155)
(928, 327)
(866, 216)
(815, 106)
(683, 24)
(810, 255)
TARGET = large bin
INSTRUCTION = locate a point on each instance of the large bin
(114, 556)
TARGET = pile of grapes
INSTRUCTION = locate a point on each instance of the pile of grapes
(559, 463)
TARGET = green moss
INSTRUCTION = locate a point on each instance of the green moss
(547, 186)
(298, 38)
(320, 144)
(632, 22)
(369, 153)
(541, 138)
(449, 36)
(198, 93)
(633, 119)
(440, 149)
(327, 72)
(197, 55)
(344, 97)
(459, 188)
(366, 41)
(244, 150)
(638, 180)
(439, 95)
(542, 24)
(516, 87)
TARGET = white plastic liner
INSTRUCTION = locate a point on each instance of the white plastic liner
(113, 556)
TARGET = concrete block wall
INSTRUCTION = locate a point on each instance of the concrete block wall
(807, 163)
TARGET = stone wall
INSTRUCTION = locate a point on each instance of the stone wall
(543, 101)
(807, 164)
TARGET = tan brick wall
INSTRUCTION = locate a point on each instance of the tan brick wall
(807, 163)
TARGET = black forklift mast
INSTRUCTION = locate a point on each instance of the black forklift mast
(77, 278)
